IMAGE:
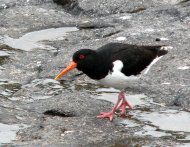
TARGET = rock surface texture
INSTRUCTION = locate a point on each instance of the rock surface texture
(40, 111)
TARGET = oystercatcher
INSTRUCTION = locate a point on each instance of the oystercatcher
(115, 65)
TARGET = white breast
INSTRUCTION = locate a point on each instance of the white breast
(116, 78)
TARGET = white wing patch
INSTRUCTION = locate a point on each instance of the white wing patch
(116, 78)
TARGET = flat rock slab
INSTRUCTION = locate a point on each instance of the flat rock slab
(45, 112)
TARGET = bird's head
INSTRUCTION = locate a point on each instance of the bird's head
(82, 60)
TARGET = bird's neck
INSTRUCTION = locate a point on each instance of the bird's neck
(99, 68)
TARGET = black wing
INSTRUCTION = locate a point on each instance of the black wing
(135, 58)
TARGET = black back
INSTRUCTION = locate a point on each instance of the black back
(135, 58)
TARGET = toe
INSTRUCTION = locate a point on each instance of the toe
(108, 115)
(111, 117)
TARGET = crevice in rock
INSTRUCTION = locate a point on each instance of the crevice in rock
(111, 34)
(184, 3)
(137, 10)
(92, 25)
(58, 113)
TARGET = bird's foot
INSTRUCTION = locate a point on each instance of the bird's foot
(106, 115)
(123, 106)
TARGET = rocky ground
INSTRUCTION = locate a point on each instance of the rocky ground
(36, 110)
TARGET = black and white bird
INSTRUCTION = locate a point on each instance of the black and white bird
(115, 65)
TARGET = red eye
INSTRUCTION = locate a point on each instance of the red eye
(81, 56)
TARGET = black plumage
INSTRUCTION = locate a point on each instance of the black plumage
(98, 63)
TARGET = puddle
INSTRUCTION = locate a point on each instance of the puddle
(183, 145)
(80, 86)
(169, 120)
(151, 131)
(4, 54)
(111, 94)
(44, 82)
(32, 40)
(1, 67)
(165, 120)
(38, 89)
(8, 132)
(185, 140)
(9, 87)
(129, 123)
(156, 124)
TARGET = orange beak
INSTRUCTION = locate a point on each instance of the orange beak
(71, 66)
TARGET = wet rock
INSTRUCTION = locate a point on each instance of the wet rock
(7, 4)
(149, 130)
(112, 7)
(9, 87)
(93, 25)
(8, 132)
(66, 109)
(38, 89)
(182, 98)
(30, 41)
(4, 54)
(11, 3)
(2, 68)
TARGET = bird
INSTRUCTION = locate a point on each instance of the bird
(116, 65)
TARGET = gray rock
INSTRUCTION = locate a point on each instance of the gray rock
(64, 113)
(182, 98)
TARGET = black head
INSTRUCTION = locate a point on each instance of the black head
(85, 59)
(89, 62)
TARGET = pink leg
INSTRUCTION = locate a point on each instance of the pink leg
(111, 113)
(124, 104)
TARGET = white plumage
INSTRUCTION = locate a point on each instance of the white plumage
(116, 78)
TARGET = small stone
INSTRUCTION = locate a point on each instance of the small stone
(121, 38)
(162, 39)
(183, 67)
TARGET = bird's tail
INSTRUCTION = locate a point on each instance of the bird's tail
(163, 50)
